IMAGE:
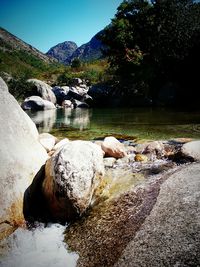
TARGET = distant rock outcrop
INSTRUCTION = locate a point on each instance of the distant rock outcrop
(62, 51)
(67, 51)
(89, 51)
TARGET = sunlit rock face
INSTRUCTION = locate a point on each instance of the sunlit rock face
(44, 90)
(62, 51)
(47, 141)
(113, 148)
(192, 150)
(21, 155)
(71, 176)
(170, 235)
(37, 103)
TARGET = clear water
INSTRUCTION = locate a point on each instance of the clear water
(134, 123)
(39, 247)
(44, 246)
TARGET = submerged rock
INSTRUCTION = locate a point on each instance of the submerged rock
(154, 224)
(72, 175)
(140, 157)
(21, 156)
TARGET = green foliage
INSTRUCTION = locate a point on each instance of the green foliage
(94, 72)
(20, 88)
(19, 62)
(151, 43)
(65, 79)
(76, 63)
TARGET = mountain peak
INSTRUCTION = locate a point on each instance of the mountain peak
(67, 51)
(62, 51)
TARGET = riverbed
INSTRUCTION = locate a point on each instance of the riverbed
(123, 123)
(44, 245)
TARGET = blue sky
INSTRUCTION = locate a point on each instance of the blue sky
(44, 23)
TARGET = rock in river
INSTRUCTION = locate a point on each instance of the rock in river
(192, 150)
(47, 140)
(72, 175)
(37, 103)
(151, 224)
(43, 90)
(113, 148)
(170, 236)
(21, 156)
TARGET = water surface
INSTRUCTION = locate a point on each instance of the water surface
(127, 123)
(44, 246)
(39, 247)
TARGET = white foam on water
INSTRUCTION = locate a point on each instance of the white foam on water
(41, 247)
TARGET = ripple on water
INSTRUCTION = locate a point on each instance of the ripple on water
(41, 247)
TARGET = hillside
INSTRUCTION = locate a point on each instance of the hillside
(17, 57)
(9, 42)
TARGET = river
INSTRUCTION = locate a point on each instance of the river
(124, 123)
(43, 246)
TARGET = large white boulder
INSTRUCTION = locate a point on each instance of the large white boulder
(44, 90)
(72, 175)
(21, 156)
(37, 103)
(170, 235)
(192, 149)
(61, 144)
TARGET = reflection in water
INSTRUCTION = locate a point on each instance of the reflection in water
(147, 123)
(41, 247)
(44, 119)
(76, 118)
(81, 118)
(48, 119)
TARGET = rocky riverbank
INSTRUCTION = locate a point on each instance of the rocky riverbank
(153, 224)
(127, 203)
(21, 155)
(42, 96)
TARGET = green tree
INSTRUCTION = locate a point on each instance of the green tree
(76, 63)
(148, 43)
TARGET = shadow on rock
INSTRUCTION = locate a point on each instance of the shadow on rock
(34, 205)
